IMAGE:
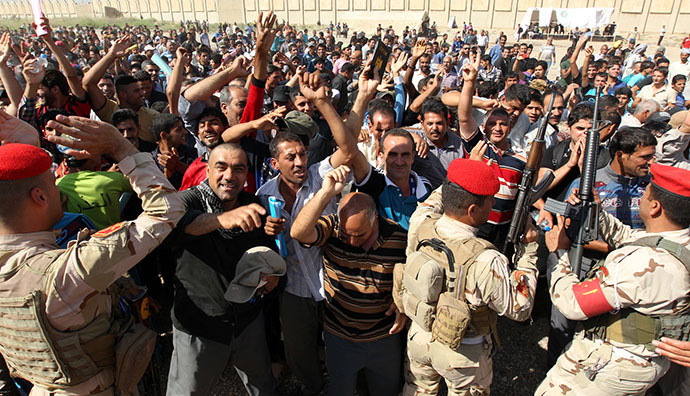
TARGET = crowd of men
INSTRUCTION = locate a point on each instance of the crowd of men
(273, 192)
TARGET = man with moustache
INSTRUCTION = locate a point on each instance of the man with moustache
(534, 112)
(301, 303)
(222, 222)
(210, 126)
(444, 145)
(490, 142)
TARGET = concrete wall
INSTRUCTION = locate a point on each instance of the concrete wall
(647, 15)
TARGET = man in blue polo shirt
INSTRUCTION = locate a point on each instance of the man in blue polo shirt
(620, 185)
(398, 189)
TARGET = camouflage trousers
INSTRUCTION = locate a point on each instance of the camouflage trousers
(467, 372)
(612, 372)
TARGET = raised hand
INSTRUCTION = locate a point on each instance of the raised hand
(578, 152)
(14, 130)
(183, 57)
(268, 121)
(367, 86)
(399, 64)
(119, 48)
(478, 151)
(239, 67)
(312, 87)
(469, 72)
(266, 32)
(170, 160)
(29, 72)
(419, 48)
(19, 50)
(45, 24)
(5, 48)
(91, 138)
(280, 59)
(334, 182)
(435, 84)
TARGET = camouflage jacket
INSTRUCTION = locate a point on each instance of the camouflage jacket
(77, 291)
(489, 280)
(649, 280)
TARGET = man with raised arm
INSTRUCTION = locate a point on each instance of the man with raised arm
(490, 142)
(301, 304)
(64, 296)
(360, 248)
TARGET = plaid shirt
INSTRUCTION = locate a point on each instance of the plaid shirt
(490, 75)
(27, 111)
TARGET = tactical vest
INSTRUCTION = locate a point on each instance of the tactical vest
(433, 292)
(36, 351)
(631, 327)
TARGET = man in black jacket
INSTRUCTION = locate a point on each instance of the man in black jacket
(222, 222)
(341, 82)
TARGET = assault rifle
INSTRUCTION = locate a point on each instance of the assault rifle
(528, 193)
(584, 225)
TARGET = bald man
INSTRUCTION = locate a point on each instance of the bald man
(360, 250)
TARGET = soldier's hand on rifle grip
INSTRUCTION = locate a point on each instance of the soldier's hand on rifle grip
(556, 238)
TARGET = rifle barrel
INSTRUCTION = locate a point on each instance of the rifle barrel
(587, 179)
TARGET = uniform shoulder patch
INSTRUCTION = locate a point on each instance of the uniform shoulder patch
(109, 230)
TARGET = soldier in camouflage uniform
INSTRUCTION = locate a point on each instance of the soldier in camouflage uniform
(639, 294)
(58, 326)
(457, 209)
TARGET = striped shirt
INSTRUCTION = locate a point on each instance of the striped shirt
(508, 168)
(359, 283)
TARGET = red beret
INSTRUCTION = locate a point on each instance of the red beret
(21, 161)
(671, 179)
(473, 176)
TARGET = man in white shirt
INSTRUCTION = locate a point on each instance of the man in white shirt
(680, 67)
(482, 42)
(642, 112)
